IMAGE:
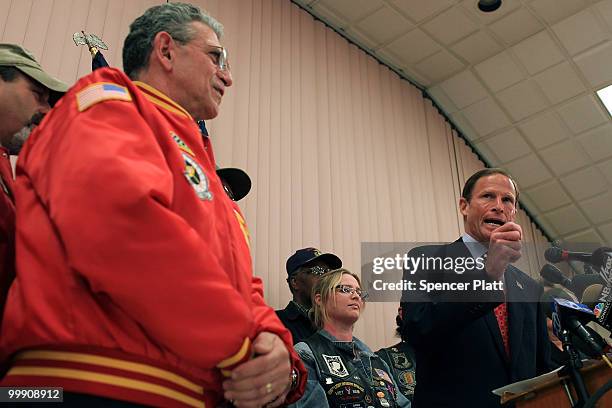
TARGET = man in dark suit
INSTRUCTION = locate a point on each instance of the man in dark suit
(304, 268)
(469, 343)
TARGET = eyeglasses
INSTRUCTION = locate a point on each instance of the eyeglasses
(219, 57)
(349, 290)
(317, 270)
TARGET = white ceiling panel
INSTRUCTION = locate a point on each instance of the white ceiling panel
(508, 145)
(584, 183)
(544, 130)
(529, 171)
(450, 26)
(598, 142)
(567, 219)
(547, 225)
(582, 114)
(477, 47)
(597, 209)
(464, 89)
(484, 149)
(589, 236)
(606, 231)
(538, 52)
(564, 157)
(594, 64)
(516, 26)
(464, 125)
(420, 10)
(350, 10)
(549, 196)
(580, 32)
(604, 9)
(553, 11)
(438, 94)
(606, 169)
(330, 15)
(439, 66)
(383, 25)
(499, 71)
(560, 83)
(361, 39)
(413, 46)
(522, 100)
(486, 116)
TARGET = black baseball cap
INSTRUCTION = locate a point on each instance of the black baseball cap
(303, 257)
(236, 180)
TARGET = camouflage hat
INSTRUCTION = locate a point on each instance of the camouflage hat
(13, 55)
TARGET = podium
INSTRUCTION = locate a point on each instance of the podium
(554, 393)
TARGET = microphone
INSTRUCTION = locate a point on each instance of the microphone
(552, 274)
(600, 258)
(570, 316)
(547, 299)
(556, 255)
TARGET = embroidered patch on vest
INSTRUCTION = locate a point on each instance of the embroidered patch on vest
(383, 375)
(400, 361)
(101, 91)
(196, 177)
(346, 393)
(335, 365)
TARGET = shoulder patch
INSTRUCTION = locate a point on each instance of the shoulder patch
(101, 91)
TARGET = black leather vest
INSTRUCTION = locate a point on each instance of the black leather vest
(345, 385)
(401, 361)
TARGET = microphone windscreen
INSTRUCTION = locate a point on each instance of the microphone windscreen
(552, 274)
(553, 254)
(601, 256)
(591, 295)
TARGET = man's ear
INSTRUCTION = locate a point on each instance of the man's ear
(164, 50)
(463, 206)
(293, 283)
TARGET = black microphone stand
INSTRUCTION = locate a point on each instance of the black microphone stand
(573, 369)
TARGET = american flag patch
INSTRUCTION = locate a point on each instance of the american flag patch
(101, 91)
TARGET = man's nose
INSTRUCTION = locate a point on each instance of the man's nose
(44, 107)
(499, 204)
(226, 77)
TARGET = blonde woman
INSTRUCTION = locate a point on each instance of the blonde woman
(342, 370)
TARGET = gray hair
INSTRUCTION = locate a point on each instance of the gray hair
(173, 18)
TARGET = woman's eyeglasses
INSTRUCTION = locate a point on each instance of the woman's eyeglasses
(349, 290)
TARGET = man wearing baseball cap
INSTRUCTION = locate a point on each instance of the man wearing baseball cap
(27, 93)
(304, 268)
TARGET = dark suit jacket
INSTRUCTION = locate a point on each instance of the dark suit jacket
(459, 348)
(297, 322)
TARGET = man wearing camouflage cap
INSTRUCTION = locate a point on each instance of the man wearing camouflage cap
(26, 94)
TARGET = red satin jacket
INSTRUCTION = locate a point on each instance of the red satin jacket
(134, 276)
(7, 227)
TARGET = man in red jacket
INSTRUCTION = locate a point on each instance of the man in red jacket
(26, 94)
(134, 277)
